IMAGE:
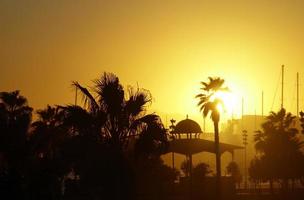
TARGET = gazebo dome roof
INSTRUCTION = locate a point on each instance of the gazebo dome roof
(187, 126)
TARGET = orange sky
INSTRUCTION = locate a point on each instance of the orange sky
(167, 47)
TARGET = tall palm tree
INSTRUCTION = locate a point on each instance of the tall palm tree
(123, 115)
(208, 103)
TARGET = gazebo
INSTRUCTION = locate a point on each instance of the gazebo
(186, 140)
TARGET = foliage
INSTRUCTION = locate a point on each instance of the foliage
(111, 144)
(96, 142)
(234, 171)
(153, 178)
(15, 118)
(208, 103)
(122, 115)
(185, 167)
(200, 171)
(279, 155)
(45, 132)
(207, 100)
(302, 121)
(152, 141)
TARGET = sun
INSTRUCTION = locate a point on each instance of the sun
(229, 102)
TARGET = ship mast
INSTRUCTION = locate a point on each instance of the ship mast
(282, 92)
(262, 103)
(297, 94)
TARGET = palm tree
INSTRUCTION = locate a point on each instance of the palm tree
(46, 137)
(123, 115)
(279, 148)
(15, 118)
(46, 132)
(208, 103)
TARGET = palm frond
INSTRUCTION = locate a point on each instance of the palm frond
(110, 93)
(147, 119)
(137, 101)
(88, 98)
(13, 100)
(206, 108)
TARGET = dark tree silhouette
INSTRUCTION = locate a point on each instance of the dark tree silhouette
(123, 117)
(114, 122)
(97, 151)
(152, 141)
(46, 133)
(200, 171)
(15, 118)
(234, 171)
(302, 121)
(209, 103)
(45, 167)
(279, 155)
(154, 178)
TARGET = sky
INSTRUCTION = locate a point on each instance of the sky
(167, 47)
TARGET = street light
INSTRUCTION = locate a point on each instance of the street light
(245, 144)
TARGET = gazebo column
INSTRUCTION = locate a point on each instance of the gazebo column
(232, 155)
(189, 164)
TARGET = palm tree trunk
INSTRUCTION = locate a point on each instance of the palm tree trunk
(271, 186)
(218, 160)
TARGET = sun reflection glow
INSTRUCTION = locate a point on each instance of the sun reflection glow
(229, 102)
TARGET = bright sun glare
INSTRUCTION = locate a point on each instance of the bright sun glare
(229, 102)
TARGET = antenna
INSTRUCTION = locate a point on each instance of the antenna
(297, 94)
(242, 106)
(242, 112)
(282, 98)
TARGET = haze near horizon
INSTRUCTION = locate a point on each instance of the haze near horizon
(167, 47)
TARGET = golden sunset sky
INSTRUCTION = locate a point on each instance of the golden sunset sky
(167, 47)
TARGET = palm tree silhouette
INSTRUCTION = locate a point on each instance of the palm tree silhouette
(15, 118)
(209, 103)
(279, 148)
(123, 115)
(47, 132)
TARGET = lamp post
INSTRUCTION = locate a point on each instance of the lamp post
(245, 156)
